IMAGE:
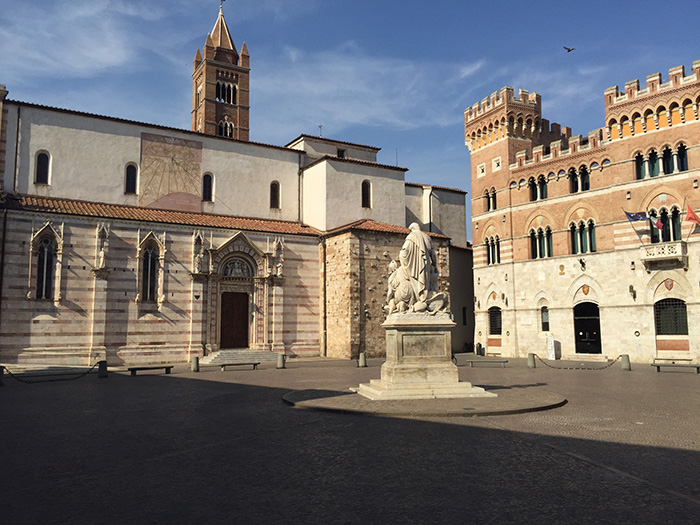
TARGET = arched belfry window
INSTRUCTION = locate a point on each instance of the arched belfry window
(682, 154)
(207, 186)
(366, 194)
(41, 175)
(275, 195)
(130, 176)
(150, 273)
(46, 264)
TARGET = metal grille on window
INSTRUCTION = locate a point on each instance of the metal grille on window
(495, 321)
(670, 317)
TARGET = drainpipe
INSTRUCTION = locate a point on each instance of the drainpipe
(14, 181)
(300, 186)
(2, 254)
(325, 317)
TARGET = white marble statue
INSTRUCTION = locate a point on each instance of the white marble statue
(413, 282)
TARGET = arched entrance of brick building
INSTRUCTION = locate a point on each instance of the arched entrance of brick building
(587, 328)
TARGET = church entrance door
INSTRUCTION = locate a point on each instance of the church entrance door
(234, 320)
(587, 328)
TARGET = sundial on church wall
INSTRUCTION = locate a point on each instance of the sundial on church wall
(171, 173)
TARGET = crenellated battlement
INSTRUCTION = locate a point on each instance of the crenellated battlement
(504, 98)
(559, 149)
(676, 79)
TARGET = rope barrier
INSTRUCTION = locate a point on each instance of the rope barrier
(52, 380)
(577, 367)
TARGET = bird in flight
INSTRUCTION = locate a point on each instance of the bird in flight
(569, 49)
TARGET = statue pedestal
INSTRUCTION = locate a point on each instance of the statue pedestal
(419, 361)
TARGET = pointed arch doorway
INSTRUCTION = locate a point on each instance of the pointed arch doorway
(587, 328)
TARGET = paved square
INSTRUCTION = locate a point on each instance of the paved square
(222, 447)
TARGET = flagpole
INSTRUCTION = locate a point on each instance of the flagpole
(632, 224)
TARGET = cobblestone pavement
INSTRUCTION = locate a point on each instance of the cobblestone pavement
(222, 447)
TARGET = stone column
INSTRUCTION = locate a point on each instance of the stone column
(276, 314)
(647, 167)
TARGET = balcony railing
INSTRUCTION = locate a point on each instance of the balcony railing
(674, 253)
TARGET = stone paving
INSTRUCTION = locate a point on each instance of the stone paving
(222, 447)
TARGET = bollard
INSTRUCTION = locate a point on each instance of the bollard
(362, 361)
(102, 369)
(531, 361)
(194, 363)
(281, 358)
(2, 373)
(626, 362)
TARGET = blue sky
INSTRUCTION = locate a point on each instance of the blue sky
(392, 74)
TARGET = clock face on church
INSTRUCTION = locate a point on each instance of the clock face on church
(171, 171)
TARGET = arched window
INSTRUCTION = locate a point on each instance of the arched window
(541, 245)
(207, 187)
(42, 169)
(639, 166)
(665, 226)
(653, 164)
(591, 236)
(533, 244)
(654, 226)
(493, 250)
(218, 91)
(544, 317)
(585, 178)
(275, 195)
(366, 194)
(667, 161)
(573, 181)
(682, 154)
(542, 186)
(493, 198)
(46, 264)
(495, 323)
(487, 196)
(130, 179)
(532, 186)
(670, 317)
(221, 129)
(150, 274)
(582, 237)
(487, 243)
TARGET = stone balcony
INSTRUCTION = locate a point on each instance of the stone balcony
(664, 255)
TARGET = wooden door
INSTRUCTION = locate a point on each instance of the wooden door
(234, 320)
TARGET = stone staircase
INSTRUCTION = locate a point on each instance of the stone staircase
(238, 355)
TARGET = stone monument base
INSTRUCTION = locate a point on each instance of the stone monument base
(419, 361)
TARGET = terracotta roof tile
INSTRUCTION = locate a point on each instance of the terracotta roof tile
(36, 203)
(374, 226)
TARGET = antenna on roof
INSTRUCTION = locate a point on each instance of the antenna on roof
(320, 130)
(397, 157)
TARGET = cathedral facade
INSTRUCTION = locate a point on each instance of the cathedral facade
(135, 243)
(593, 241)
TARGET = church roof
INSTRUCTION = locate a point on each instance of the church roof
(34, 203)
(374, 226)
(220, 35)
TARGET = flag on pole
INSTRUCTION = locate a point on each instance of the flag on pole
(691, 216)
(658, 223)
(636, 216)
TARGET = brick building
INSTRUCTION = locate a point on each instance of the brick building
(554, 250)
(136, 242)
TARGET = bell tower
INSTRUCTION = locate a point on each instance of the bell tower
(220, 85)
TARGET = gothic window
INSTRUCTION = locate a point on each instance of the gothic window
(532, 186)
(150, 274)
(573, 181)
(670, 317)
(237, 268)
(542, 186)
(653, 164)
(492, 198)
(665, 226)
(544, 317)
(221, 129)
(582, 237)
(207, 186)
(495, 323)
(682, 158)
(366, 194)
(541, 243)
(42, 169)
(275, 195)
(654, 226)
(639, 166)
(46, 264)
(667, 161)
(493, 250)
(591, 236)
(130, 179)
(585, 178)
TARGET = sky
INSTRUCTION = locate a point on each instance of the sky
(387, 73)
